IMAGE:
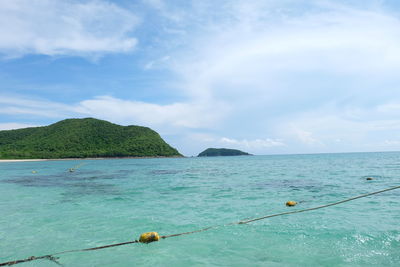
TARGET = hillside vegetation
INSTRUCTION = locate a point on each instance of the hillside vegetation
(82, 138)
(214, 152)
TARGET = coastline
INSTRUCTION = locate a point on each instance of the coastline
(61, 159)
(21, 160)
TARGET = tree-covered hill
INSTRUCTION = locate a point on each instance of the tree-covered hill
(82, 138)
(214, 152)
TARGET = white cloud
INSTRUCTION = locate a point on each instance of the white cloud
(24, 105)
(191, 143)
(391, 143)
(336, 128)
(13, 125)
(50, 27)
(152, 64)
(309, 76)
(189, 115)
(389, 109)
(254, 144)
(168, 11)
(157, 4)
(185, 114)
(259, 58)
(306, 137)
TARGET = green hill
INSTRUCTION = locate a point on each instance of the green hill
(82, 138)
(214, 152)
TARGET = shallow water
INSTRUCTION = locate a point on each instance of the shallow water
(111, 201)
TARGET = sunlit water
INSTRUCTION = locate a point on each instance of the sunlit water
(112, 201)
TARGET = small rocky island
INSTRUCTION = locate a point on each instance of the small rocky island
(216, 152)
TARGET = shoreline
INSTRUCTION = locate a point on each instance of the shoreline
(34, 160)
(21, 160)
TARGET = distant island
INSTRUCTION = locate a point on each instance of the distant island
(83, 138)
(215, 152)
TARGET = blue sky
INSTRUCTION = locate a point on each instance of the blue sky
(264, 76)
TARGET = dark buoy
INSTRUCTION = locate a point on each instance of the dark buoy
(369, 179)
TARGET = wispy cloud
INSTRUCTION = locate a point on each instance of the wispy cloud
(336, 62)
(153, 63)
(25, 105)
(342, 128)
(253, 144)
(392, 143)
(247, 54)
(13, 125)
(306, 137)
(64, 28)
(186, 115)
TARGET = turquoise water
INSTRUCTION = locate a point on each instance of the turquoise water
(111, 201)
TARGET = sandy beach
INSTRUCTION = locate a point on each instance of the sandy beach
(27, 160)
(21, 160)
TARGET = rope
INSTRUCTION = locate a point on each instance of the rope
(75, 168)
(54, 259)
(47, 257)
(319, 207)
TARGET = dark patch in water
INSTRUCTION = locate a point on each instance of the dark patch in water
(77, 183)
(84, 189)
(117, 199)
(38, 180)
(162, 172)
(295, 185)
(79, 177)
(190, 171)
(179, 188)
(122, 174)
(374, 177)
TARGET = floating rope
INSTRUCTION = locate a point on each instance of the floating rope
(52, 257)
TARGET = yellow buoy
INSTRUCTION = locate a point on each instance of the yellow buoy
(149, 237)
(34, 171)
(291, 203)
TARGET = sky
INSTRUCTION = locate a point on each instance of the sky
(263, 76)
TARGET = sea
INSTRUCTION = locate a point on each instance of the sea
(45, 209)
